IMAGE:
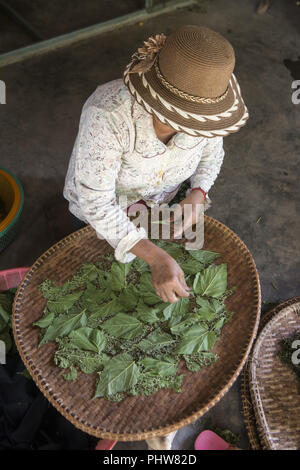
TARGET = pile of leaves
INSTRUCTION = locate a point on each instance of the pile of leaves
(108, 319)
(6, 335)
(286, 353)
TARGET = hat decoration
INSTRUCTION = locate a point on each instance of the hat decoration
(145, 57)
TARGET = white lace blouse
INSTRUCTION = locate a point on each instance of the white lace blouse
(117, 155)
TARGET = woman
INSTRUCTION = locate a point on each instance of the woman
(142, 136)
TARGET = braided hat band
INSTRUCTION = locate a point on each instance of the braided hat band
(185, 95)
(204, 98)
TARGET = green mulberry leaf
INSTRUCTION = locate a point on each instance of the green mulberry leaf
(140, 265)
(120, 374)
(205, 257)
(128, 298)
(219, 324)
(175, 311)
(196, 339)
(212, 281)
(147, 290)
(208, 310)
(45, 321)
(118, 273)
(210, 305)
(109, 308)
(174, 249)
(123, 326)
(64, 303)
(184, 324)
(93, 296)
(148, 313)
(89, 339)
(191, 266)
(89, 271)
(156, 340)
(156, 367)
(63, 325)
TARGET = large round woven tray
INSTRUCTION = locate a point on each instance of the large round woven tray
(137, 418)
(274, 387)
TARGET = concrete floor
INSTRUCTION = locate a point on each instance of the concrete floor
(57, 17)
(260, 175)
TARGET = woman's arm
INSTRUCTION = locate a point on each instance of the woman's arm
(98, 155)
(98, 161)
(209, 165)
(204, 177)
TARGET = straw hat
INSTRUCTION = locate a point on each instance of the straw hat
(186, 80)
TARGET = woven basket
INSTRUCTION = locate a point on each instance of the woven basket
(137, 418)
(273, 385)
(247, 405)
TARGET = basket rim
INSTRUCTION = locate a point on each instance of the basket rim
(19, 207)
(75, 420)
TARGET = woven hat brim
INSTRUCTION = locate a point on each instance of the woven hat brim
(196, 119)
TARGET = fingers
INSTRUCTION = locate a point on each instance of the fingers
(181, 291)
(174, 291)
(183, 282)
(162, 295)
(168, 280)
(170, 296)
(189, 219)
(192, 213)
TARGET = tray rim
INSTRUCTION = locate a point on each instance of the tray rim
(75, 420)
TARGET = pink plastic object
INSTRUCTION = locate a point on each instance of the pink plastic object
(11, 278)
(208, 440)
(105, 444)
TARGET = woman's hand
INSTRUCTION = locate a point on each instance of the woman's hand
(193, 208)
(167, 276)
(168, 279)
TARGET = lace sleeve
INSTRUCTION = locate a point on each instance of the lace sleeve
(209, 165)
(98, 156)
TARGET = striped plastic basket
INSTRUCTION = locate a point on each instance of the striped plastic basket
(12, 200)
(11, 278)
